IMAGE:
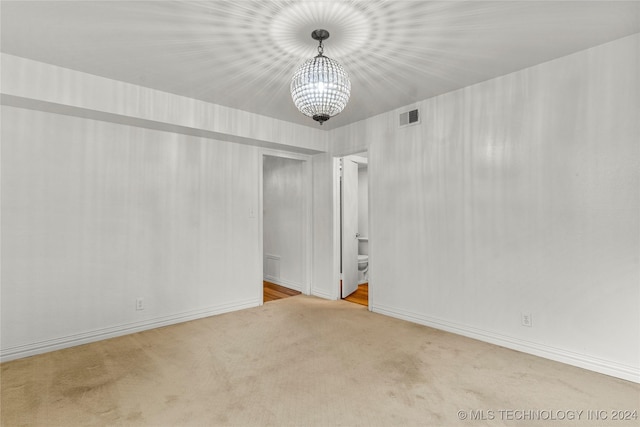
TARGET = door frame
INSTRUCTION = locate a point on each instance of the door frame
(307, 229)
(337, 250)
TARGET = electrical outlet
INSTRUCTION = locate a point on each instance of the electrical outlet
(526, 319)
(139, 304)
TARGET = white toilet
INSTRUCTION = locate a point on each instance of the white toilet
(363, 260)
(363, 267)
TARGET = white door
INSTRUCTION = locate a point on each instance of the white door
(349, 205)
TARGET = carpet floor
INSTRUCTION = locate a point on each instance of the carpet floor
(304, 361)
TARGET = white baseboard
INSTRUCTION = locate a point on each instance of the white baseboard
(18, 352)
(322, 294)
(607, 367)
(282, 282)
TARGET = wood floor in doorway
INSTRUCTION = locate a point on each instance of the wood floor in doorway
(272, 292)
(361, 296)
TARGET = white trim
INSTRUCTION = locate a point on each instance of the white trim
(337, 276)
(322, 294)
(358, 159)
(607, 367)
(283, 282)
(371, 220)
(259, 284)
(285, 154)
(20, 351)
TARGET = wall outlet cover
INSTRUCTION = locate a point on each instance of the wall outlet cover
(526, 319)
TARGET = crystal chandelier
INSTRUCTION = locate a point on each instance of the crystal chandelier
(320, 88)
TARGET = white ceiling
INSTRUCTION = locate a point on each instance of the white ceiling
(242, 54)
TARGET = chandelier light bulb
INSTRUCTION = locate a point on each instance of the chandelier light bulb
(320, 88)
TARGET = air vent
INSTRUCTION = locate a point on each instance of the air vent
(409, 118)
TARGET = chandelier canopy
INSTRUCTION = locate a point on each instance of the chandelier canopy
(320, 88)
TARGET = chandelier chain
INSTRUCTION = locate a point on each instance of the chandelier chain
(320, 48)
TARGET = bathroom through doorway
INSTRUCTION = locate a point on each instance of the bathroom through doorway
(354, 228)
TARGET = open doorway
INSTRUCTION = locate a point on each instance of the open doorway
(354, 228)
(285, 201)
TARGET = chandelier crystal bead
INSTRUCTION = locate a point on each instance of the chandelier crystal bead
(320, 88)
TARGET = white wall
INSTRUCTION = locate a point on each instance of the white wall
(283, 221)
(112, 191)
(324, 253)
(96, 214)
(519, 194)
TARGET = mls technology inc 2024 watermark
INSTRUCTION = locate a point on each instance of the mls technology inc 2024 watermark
(547, 415)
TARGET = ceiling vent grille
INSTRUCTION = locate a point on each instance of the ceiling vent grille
(409, 118)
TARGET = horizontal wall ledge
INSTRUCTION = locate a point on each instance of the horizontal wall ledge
(69, 110)
(65, 91)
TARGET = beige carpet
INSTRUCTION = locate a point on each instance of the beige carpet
(302, 361)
